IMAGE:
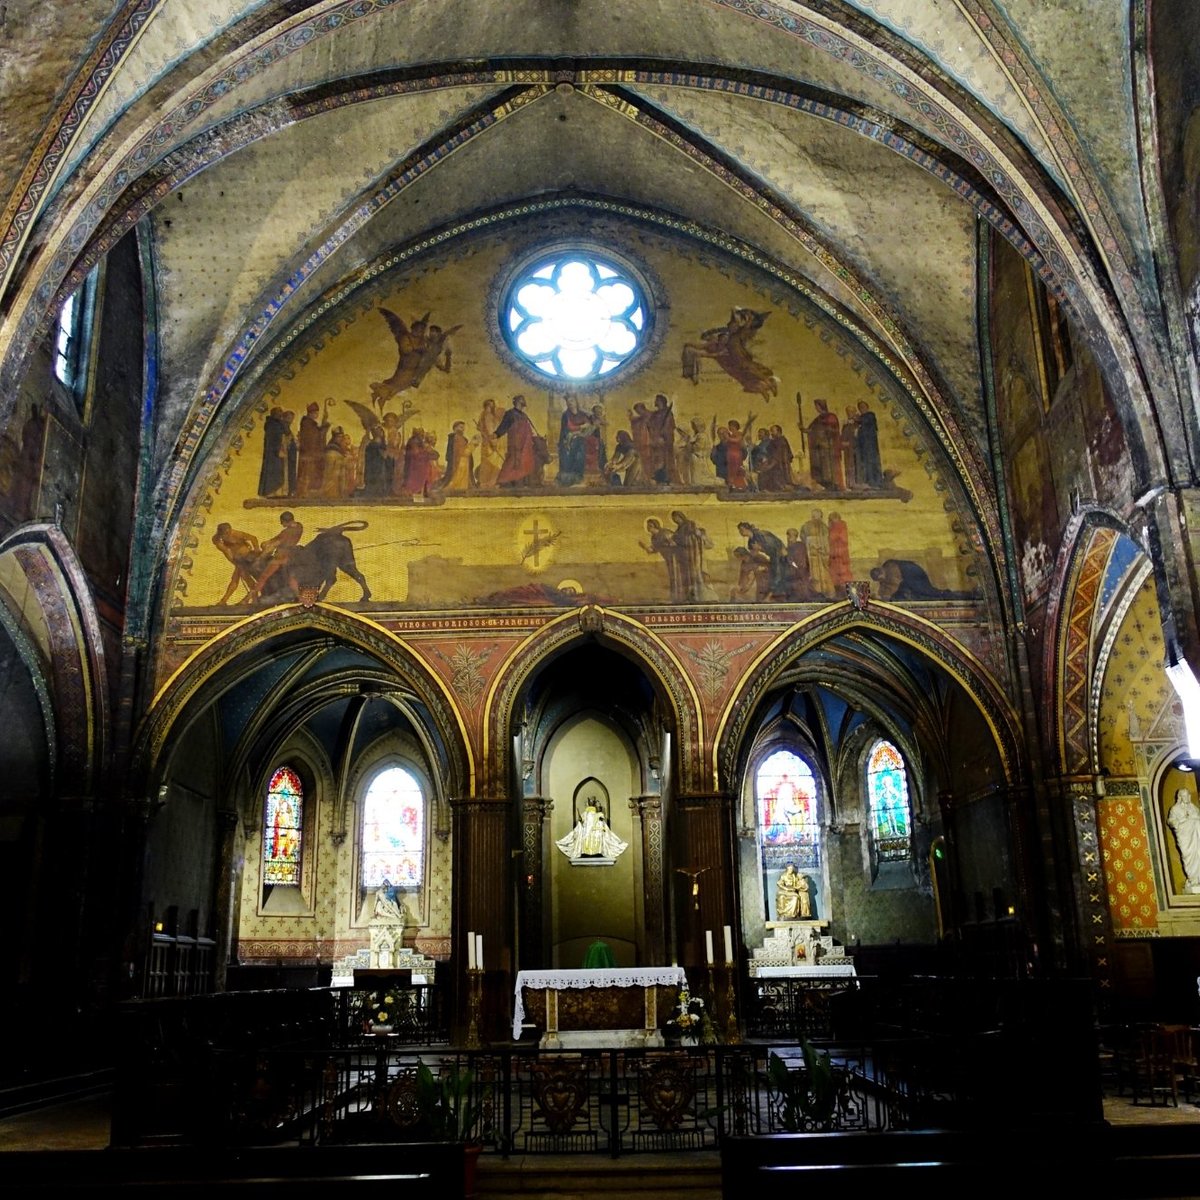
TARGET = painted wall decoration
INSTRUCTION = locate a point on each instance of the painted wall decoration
(402, 461)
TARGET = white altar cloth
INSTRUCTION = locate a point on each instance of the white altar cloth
(557, 980)
(832, 971)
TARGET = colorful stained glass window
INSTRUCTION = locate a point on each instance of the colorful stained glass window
(283, 829)
(393, 831)
(887, 792)
(785, 791)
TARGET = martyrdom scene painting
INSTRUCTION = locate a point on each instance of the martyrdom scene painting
(745, 450)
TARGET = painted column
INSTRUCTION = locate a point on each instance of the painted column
(655, 900)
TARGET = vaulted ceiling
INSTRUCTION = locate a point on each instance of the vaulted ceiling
(275, 150)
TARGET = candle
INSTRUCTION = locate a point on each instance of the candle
(470, 952)
(728, 944)
(479, 951)
(708, 945)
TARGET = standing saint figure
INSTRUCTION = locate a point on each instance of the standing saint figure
(690, 542)
(839, 554)
(310, 466)
(816, 540)
(663, 542)
(825, 449)
(1184, 820)
(792, 899)
(866, 436)
(490, 454)
(520, 461)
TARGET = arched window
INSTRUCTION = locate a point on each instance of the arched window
(283, 825)
(789, 829)
(887, 795)
(73, 335)
(393, 831)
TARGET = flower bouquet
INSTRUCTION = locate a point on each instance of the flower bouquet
(380, 1010)
(688, 1018)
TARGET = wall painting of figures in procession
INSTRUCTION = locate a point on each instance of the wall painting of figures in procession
(744, 449)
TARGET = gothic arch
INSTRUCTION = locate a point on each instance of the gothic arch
(608, 628)
(49, 604)
(243, 648)
(1069, 659)
(775, 659)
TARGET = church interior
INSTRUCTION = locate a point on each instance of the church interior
(656, 485)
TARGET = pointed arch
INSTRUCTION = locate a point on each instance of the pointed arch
(227, 658)
(777, 657)
(1069, 659)
(48, 598)
(626, 635)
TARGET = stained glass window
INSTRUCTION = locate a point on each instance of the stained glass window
(283, 829)
(887, 792)
(785, 790)
(575, 316)
(393, 831)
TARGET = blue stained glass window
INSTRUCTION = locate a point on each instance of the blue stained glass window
(393, 831)
(574, 316)
(887, 792)
(785, 790)
(283, 829)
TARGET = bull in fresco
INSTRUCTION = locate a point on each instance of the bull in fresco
(286, 570)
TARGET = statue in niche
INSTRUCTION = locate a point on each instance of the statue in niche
(1184, 820)
(591, 838)
(793, 901)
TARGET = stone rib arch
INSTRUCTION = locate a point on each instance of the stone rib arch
(613, 629)
(774, 660)
(1068, 659)
(57, 610)
(216, 667)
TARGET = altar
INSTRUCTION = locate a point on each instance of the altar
(599, 1007)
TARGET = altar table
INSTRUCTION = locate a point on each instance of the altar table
(606, 1019)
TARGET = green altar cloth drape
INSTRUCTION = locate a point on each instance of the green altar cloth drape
(598, 955)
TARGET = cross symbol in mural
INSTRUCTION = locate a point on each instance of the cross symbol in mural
(542, 540)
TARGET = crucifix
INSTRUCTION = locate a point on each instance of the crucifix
(694, 875)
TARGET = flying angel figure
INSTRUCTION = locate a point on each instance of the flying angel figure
(421, 347)
(731, 346)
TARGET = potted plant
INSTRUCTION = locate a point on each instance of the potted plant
(451, 1111)
(448, 1106)
(809, 1098)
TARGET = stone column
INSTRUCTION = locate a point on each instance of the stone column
(224, 889)
(533, 880)
(1078, 798)
(702, 856)
(656, 895)
(480, 904)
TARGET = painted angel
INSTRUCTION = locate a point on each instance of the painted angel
(420, 347)
(731, 346)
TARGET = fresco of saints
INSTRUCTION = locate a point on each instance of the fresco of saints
(825, 449)
(490, 454)
(816, 540)
(460, 464)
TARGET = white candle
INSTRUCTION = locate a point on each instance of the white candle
(470, 952)
(708, 945)
(728, 944)
(479, 951)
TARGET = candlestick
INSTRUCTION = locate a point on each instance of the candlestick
(733, 1035)
(728, 944)
(708, 949)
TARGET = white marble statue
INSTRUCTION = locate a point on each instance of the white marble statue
(1184, 820)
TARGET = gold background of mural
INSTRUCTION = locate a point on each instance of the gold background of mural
(437, 548)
